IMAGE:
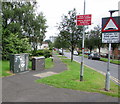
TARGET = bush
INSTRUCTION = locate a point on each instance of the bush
(14, 45)
(37, 53)
(47, 53)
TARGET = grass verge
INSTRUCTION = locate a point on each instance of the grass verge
(62, 57)
(105, 60)
(48, 63)
(93, 81)
(111, 61)
(5, 69)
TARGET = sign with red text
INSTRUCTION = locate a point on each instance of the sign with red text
(82, 20)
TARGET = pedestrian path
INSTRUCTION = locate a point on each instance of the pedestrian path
(23, 88)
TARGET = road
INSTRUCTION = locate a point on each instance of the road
(98, 65)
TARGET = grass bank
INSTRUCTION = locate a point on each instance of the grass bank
(93, 81)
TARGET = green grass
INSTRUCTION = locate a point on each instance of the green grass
(30, 65)
(105, 59)
(48, 63)
(4, 70)
(86, 56)
(93, 81)
(62, 56)
(111, 61)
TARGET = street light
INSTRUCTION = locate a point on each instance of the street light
(112, 11)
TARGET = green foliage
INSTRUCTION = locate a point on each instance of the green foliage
(14, 45)
(60, 43)
(20, 19)
(94, 39)
(37, 53)
(47, 53)
(69, 32)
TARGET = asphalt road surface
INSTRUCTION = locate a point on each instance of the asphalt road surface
(96, 64)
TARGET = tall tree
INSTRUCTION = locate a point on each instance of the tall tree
(20, 19)
(94, 39)
(72, 33)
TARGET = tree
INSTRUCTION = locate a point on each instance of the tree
(94, 40)
(70, 32)
(61, 43)
(38, 32)
(14, 45)
(20, 19)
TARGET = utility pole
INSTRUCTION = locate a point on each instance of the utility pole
(82, 58)
(107, 84)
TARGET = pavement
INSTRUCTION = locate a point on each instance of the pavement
(23, 88)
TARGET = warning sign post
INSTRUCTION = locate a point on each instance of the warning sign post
(110, 34)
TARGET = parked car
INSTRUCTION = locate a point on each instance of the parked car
(60, 52)
(94, 56)
(87, 52)
(75, 53)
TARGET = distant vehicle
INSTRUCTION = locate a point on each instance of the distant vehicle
(87, 52)
(94, 56)
(60, 52)
(75, 53)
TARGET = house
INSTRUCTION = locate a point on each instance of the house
(44, 45)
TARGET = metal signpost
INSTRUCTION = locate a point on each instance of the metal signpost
(110, 34)
(83, 20)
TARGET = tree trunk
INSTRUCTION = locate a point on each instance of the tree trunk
(72, 54)
(99, 49)
(62, 51)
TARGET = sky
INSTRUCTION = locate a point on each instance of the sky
(54, 9)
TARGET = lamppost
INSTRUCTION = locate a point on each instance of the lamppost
(107, 85)
(82, 58)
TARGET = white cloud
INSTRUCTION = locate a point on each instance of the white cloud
(54, 9)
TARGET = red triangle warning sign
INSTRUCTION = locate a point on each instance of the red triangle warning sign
(110, 26)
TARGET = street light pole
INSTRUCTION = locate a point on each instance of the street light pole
(107, 84)
(82, 58)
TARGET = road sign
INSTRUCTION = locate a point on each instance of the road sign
(83, 20)
(113, 37)
(111, 30)
(110, 24)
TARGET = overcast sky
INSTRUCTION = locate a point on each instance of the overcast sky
(54, 9)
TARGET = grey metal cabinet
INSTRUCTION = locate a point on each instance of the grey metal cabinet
(38, 63)
(19, 62)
